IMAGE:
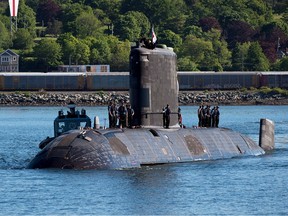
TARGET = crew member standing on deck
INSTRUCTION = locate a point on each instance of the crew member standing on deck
(130, 114)
(200, 116)
(167, 116)
(109, 116)
(207, 116)
(216, 116)
(213, 116)
(164, 117)
(180, 117)
(122, 115)
(112, 115)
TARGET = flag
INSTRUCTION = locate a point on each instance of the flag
(154, 38)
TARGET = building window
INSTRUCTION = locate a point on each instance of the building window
(14, 58)
(5, 59)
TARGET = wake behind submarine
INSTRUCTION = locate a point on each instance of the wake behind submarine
(153, 83)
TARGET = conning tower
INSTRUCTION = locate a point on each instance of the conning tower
(153, 85)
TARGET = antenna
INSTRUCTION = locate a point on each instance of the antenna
(13, 5)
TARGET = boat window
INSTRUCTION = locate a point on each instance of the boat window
(83, 124)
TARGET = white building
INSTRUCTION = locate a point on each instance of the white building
(9, 61)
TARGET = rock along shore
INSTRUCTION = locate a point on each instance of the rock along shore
(43, 98)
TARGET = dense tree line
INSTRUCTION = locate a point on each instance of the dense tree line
(245, 35)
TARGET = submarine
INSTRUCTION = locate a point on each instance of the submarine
(153, 84)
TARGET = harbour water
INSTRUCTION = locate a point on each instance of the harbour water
(239, 186)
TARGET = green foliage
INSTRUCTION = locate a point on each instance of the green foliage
(265, 90)
(82, 53)
(244, 90)
(209, 52)
(5, 39)
(27, 93)
(279, 91)
(87, 25)
(85, 31)
(131, 26)
(48, 53)
(70, 14)
(120, 52)
(127, 27)
(160, 12)
(100, 52)
(68, 46)
(186, 64)
(110, 7)
(26, 18)
(171, 39)
(54, 28)
(221, 53)
(273, 91)
(283, 64)
(23, 39)
(256, 59)
(239, 56)
(142, 22)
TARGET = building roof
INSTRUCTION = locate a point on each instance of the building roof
(9, 53)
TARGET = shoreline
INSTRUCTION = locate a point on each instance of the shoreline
(101, 98)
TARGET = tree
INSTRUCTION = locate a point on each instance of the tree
(239, 31)
(209, 52)
(283, 64)
(272, 37)
(26, 18)
(48, 11)
(159, 12)
(5, 38)
(256, 60)
(68, 46)
(194, 30)
(239, 56)
(87, 25)
(142, 21)
(198, 50)
(280, 65)
(120, 52)
(100, 52)
(209, 23)
(127, 28)
(70, 14)
(131, 26)
(74, 51)
(48, 53)
(54, 28)
(110, 7)
(23, 39)
(254, 12)
(82, 53)
(170, 39)
(222, 55)
(186, 64)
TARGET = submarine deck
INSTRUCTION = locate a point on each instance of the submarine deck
(131, 148)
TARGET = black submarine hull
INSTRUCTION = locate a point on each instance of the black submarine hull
(153, 85)
(133, 148)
